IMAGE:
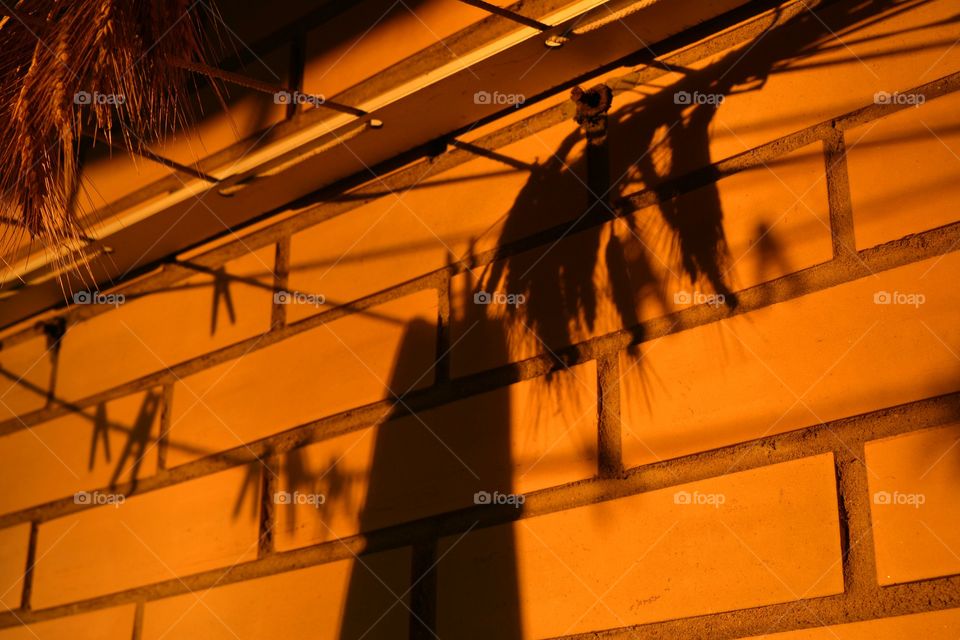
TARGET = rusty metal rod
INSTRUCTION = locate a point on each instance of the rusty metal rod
(143, 152)
(264, 87)
(509, 15)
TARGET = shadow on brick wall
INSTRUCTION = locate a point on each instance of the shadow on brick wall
(399, 465)
(597, 278)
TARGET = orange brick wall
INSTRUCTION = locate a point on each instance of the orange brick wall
(204, 461)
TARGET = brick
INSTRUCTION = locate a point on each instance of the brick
(748, 539)
(935, 625)
(774, 219)
(904, 172)
(191, 527)
(24, 377)
(346, 363)
(793, 77)
(422, 225)
(14, 543)
(913, 480)
(414, 467)
(150, 333)
(344, 599)
(82, 450)
(105, 624)
(839, 352)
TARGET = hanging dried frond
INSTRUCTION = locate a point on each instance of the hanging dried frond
(94, 68)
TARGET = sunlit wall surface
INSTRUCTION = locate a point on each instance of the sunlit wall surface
(698, 377)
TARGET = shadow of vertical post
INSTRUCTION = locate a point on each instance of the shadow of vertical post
(592, 108)
(397, 461)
